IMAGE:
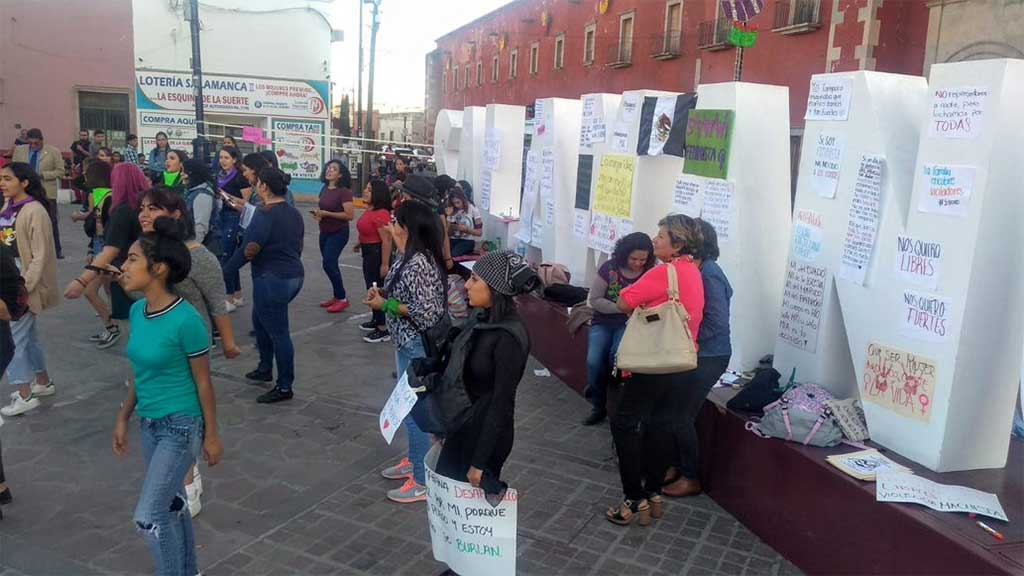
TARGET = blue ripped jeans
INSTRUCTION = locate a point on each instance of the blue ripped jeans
(170, 446)
(419, 441)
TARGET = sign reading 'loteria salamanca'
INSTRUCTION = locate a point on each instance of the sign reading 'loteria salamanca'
(233, 94)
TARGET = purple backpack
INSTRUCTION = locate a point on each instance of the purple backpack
(801, 415)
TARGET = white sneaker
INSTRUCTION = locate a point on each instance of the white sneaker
(195, 505)
(197, 480)
(239, 302)
(48, 390)
(19, 405)
(230, 306)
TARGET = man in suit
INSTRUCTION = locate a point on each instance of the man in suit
(49, 164)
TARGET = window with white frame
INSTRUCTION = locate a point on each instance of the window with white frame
(479, 73)
(589, 43)
(673, 27)
(494, 69)
(513, 64)
(465, 79)
(626, 37)
(534, 57)
(559, 51)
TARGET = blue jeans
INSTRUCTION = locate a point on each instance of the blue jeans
(229, 225)
(331, 247)
(28, 357)
(602, 344)
(270, 298)
(419, 441)
(170, 446)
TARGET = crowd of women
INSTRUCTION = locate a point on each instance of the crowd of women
(167, 252)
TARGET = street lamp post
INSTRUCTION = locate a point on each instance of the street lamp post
(199, 144)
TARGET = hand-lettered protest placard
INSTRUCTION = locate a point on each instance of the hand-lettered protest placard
(829, 98)
(708, 137)
(613, 194)
(957, 112)
(399, 404)
(862, 227)
(902, 382)
(802, 300)
(926, 317)
(807, 233)
(492, 149)
(580, 223)
(620, 138)
(828, 157)
(466, 532)
(486, 178)
(547, 184)
(905, 487)
(947, 189)
(720, 207)
(605, 230)
(687, 197)
(919, 262)
(630, 107)
(531, 182)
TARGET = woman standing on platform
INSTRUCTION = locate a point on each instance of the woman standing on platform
(372, 245)
(633, 255)
(231, 184)
(169, 352)
(714, 353)
(158, 155)
(641, 448)
(413, 299)
(25, 227)
(334, 212)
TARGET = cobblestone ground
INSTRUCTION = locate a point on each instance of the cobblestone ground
(298, 491)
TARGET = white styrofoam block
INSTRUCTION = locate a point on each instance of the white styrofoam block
(884, 118)
(754, 259)
(447, 140)
(562, 136)
(508, 123)
(585, 258)
(471, 147)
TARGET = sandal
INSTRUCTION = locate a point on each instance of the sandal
(627, 511)
(657, 506)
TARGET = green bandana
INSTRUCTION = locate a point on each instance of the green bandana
(171, 178)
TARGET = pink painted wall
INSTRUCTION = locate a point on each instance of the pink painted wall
(50, 50)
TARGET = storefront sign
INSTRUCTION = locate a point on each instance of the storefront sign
(233, 95)
(299, 147)
(180, 129)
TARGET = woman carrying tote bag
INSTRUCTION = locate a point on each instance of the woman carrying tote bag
(652, 376)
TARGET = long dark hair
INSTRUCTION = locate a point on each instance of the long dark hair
(380, 195)
(24, 172)
(165, 245)
(167, 199)
(631, 243)
(97, 174)
(256, 162)
(709, 249)
(276, 181)
(198, 173)
(424, 231)
(344, 176)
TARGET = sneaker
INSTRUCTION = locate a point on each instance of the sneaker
(328, 303)
(99, 336)
(368, 326)
(111, 338)
(195, 505)
(401, 470)
(377, 336)
(274, 395)
(238, 302)
(260, 376)
(230, 306)
(338, 307)
(197, 480)
(409, 492)
(48, 390)
(19, 405)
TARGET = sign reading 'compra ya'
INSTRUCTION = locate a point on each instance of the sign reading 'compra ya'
(232, 94)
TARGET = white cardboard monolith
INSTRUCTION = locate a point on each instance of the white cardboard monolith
(605, 108)
(471, 145)
(504, 129)
(447, 140)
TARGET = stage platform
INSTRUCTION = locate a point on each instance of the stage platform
(820, 519)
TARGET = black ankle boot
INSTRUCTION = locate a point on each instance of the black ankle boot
(260, 376)
(275, 395)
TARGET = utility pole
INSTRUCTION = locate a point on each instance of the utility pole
(374, 25)
(199, 144)
(359, 98)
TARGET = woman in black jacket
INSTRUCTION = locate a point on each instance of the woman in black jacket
(497, 348)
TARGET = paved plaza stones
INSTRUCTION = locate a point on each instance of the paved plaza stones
(298, 491)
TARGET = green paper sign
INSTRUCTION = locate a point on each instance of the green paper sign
(708, 135)
(742, 38)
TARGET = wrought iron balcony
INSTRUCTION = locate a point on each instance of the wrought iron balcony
(620, 55)
(797, 16)
(667, 46)
(714, 34)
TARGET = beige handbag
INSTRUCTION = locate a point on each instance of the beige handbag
(658, 340)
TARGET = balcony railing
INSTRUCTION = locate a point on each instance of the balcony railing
(667, 46)
(714, 34)
(797, 16)
(620, 55)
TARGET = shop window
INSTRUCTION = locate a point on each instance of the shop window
(105, 111)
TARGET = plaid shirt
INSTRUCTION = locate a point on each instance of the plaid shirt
(131, 155)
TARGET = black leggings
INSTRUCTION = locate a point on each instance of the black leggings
(688, 402)
(372, 258)
(6, 354)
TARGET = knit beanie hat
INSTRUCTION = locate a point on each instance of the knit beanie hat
(506, 273)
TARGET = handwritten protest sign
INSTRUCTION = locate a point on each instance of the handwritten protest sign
(829, 98)
(620, 138)
(252, 134)
(719, 207)
(926, 317)
(708, 137)
(630, 107)
(957, 112)
(905, 487)
(802, 300)
(687, 197)
(828, 157)
(547, 183)
(606, 230)
(531, 183)
(807, 235)
(849, 414)
(947, 189)
(492, 149)
(466, 532)
(486, 178)
(919, 262)
(399, 404)
(862, 226)
(613, 194)
(900, 381)
(580, 223)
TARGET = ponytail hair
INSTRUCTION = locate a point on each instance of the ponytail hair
(166, 245)
(276, 180)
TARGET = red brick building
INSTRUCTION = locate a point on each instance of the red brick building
(532, 49)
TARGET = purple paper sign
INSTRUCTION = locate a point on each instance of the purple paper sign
(741, 10)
